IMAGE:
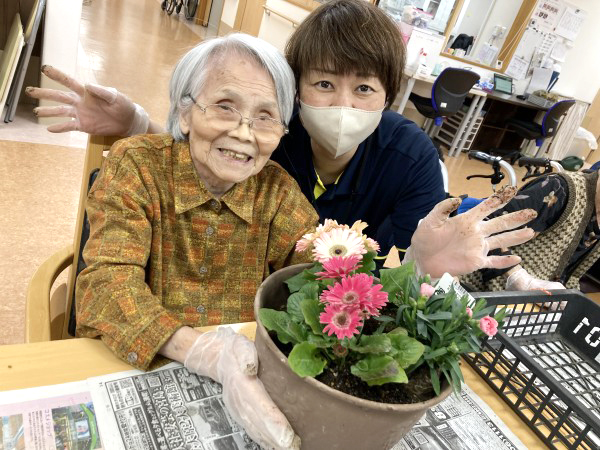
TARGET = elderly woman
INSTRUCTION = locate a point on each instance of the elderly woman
(186, 225)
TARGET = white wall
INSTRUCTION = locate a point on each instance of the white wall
(229, 11)
(502, 14)
(580, 74)
(277, 30)
(474, 15)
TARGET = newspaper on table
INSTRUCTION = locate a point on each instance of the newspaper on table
(165, 409)
(171, 408)
(49, 417)
(460, 422)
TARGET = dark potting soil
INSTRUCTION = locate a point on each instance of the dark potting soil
(418, 389)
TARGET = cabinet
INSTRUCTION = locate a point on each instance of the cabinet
(493, 133)
(450, 127)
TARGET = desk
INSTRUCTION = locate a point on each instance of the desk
(493, 132)
(29, 365)
(468, 121)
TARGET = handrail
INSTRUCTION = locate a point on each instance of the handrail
(269, 10)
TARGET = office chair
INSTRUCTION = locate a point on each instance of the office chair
(530, 130)
(47, 314)
(447, 96)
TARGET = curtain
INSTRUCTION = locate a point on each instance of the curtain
(568, 127)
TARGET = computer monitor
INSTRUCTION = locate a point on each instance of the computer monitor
(503, 84)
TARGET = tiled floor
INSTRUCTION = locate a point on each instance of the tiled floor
(132, 45)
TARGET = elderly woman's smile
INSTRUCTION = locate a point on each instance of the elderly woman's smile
(229, 124)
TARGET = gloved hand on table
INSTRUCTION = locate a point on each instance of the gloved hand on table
(520, 280)
(92, 108)
(230, 359)
(459, 245)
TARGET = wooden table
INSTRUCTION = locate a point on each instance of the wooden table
(30, 365)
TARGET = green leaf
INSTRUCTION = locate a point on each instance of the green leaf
(293, 307)
(377, 343)
(279, 321)
(456, 368)
(310, 290)
(305, 360)
(377, 370)
(296, 282)
(311, 309)
(440, 315)
(393, 280)
(435, 380)
(368, 263)
(319, 341)
(484, 312)
(384, 319)
(435, 353)
(405, 350)
(399, 330)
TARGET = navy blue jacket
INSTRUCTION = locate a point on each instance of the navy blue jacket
(392, 181)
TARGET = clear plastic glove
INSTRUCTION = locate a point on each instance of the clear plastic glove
(459, 245)
(230, 359)
(520, 280)
(92, 108)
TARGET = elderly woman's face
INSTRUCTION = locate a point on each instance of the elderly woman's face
(221, 156)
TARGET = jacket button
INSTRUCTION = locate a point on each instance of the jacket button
(210, 231)
(132, 357)
(201, 309)
(203, 269)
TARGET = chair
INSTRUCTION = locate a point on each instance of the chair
(47, 316)
(531, 130)
(447, 96)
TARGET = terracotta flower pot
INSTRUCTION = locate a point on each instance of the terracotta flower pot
(323, 417)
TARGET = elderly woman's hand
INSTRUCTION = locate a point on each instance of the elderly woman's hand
(231, 359)
(92, 108)
(460, 244)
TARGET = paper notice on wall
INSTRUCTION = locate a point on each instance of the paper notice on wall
(539, 80)
(545, 15)
(530, 41)
(487, 54)
(570, 23)
(517, 69)
(559, 51)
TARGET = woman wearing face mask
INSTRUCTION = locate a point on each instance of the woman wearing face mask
(352, 159)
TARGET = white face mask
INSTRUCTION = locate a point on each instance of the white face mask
(338, 129)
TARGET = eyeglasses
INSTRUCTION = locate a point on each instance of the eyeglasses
(225, 118)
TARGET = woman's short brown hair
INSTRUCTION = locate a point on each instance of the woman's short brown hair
(349, 36)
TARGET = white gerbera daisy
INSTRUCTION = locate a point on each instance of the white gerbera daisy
(338, 242)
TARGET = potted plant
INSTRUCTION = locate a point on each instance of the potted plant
(354, 361)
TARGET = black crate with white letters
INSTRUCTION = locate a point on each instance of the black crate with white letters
(545, 363)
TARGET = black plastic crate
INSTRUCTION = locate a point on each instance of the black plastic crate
(545, 364)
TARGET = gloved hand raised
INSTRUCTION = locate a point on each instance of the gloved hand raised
(460, 244)
(520, 280)
(93, 109)
(230, 359)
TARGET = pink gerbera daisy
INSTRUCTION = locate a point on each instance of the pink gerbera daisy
(351, 292)
(338, 242)
(343, 322)
(376, 300)
(339, 266)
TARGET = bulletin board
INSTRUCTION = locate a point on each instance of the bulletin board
(550, 32)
